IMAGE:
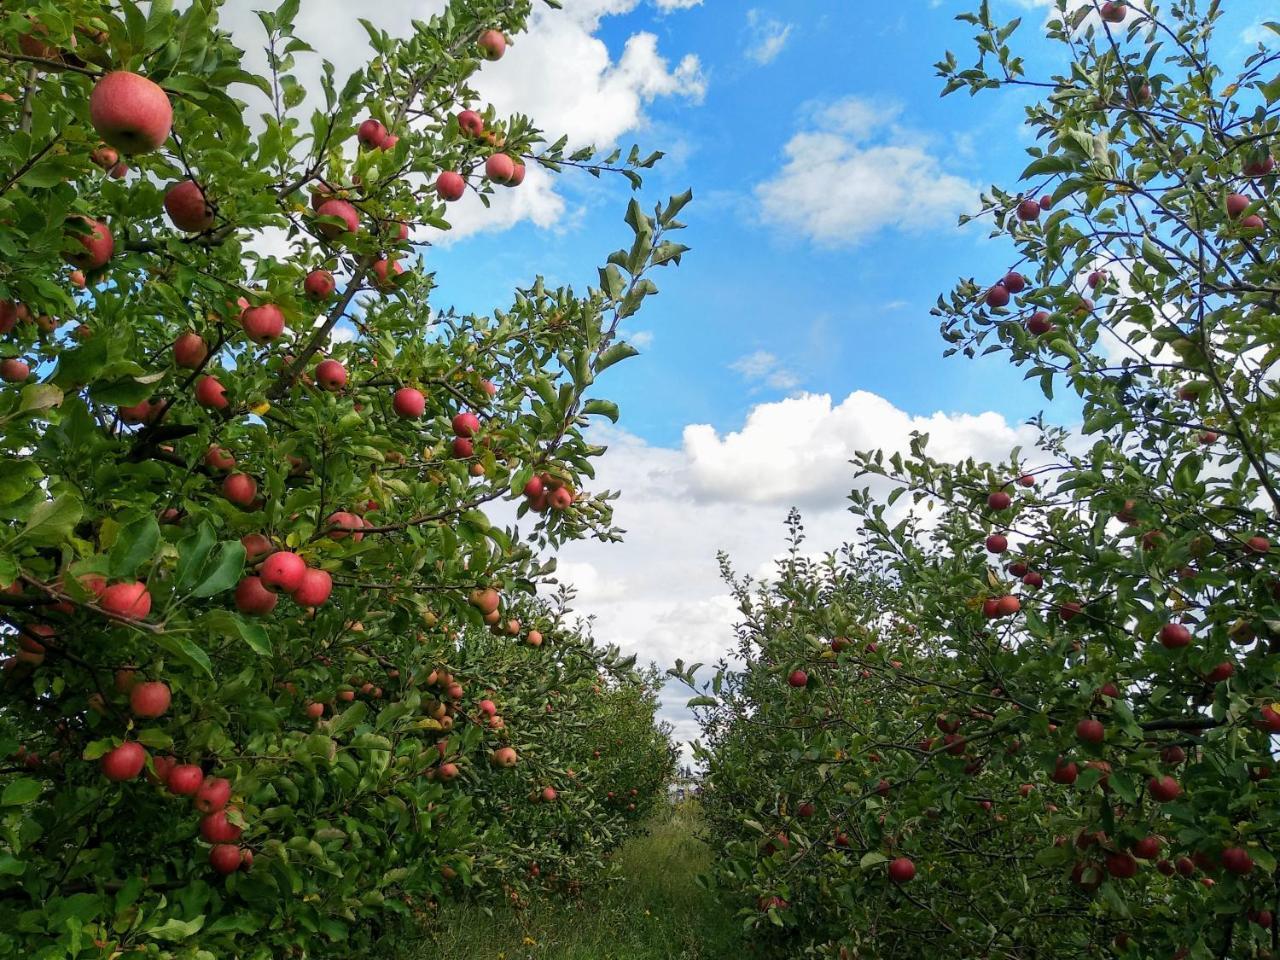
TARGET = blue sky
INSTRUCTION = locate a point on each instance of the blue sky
(828, 176)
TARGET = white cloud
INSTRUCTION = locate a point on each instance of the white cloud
(666, 6)
(856, 171)
(764, 367)
(1257, 33)
(659, 593)
(767, 36)
(641, 339)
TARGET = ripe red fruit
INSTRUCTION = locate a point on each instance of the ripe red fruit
(1252, 224)
(1148, 848)
(371, 134)
(462, 448)
(283, 571)
(225, 858)
(1262, 918)
(409, 403)
(1014, 282)
(1174, 636)
(1223, 671)
(211, 394)
(492, 45)
(331, 375)
(212, 794)
(1258, 546)
(253, 598)
(215, 458)
(128, 599)
(1029, 210)
(1114, 11)
(549, 794)
(124, 762)
(1237, 861)
(1033, 580)
(1259, 167)
(997, 543)
(185, 779)
(466, 425)
(149, 700)
(991, 608)
(1064, 772)
(190, 350)
(798, 678)
(216, 828)
(997, 296)
(504, 757)
(1039, 323)
(385, 272)
(1069, 610)
(187, 207)
(130, 112)
(13, 370)
(1091, 731)
(1163, 789)
(500, 168)
(319, 285)
(471, 123)
(560, 498)
(533, 488)
(342, 518)
(901, 870)
(256, 546)
(91, 250)
(347, 216)
(1007, 606)
(999, 500)
(451, 186)
(314, 589)
(240, 489)
(1121, 865)
(1237, 203)
(263, 324)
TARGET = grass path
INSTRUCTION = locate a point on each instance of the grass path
(656, 911)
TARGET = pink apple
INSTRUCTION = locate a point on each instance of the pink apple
(130, 112)
(187, 207)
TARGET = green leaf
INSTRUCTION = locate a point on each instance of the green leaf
(604, 408)
(175, 929)
(193, 551)
(22, 791)
(872, 859)
(52, 521)
(1151, 253)
(39, 396)
(702, 701)
(229, 624)
(135, 544)
(227, 567)
(619, 351)
(186, 649)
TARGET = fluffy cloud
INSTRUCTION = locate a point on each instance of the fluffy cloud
(856, 171)
(666, 6)
(559, 73)
(659, 593)
(767, 37)
(764, 368)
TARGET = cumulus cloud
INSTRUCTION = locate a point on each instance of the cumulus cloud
(1260, 33)
(659, 593)
(666, 6)
(855, 171)
(767, 36)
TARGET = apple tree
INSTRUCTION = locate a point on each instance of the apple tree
(276, 673)
(1043, 722)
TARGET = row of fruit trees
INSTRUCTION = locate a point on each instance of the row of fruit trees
(274, 682)
(1031, 713)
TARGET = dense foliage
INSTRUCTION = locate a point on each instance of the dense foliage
(1032, 714)
(273, 680)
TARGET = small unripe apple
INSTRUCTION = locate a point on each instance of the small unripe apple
(130, 112)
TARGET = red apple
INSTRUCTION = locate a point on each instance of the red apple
(185, 779)
(1039, 323)
(190, 350)
(125, 762)
(1090, 730)
(997, 543)
(225, 858)
(384, 272)
(1121, 865)
(371, 134)
(492, 45)
(1163, 789)
(341, 210)
(1114, 11)
(253, 598)
(997, 296)
(149, 700)
(319, 285)
(1175, 636)
(500, 168)
(256, 546)
(409, 403)
(282, 572)
(215, 458)
(13, 370)
(901, 870)
(1028, 210)
(798, 678)
(240, 489)
(127, 599)
(451, 185)
(1237, 861)
(187, 207)
(211, 394)
(1014, 282)
(314, 588)
(999, 500)
(1237, 204)
(212, 794)
(95, 246)
(470, 123)
(130, 112)
(216, 828)
(331, 375)
(264, 323)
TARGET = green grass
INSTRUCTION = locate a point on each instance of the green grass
(656, 911)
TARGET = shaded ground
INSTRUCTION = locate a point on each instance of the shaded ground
(656, 911)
